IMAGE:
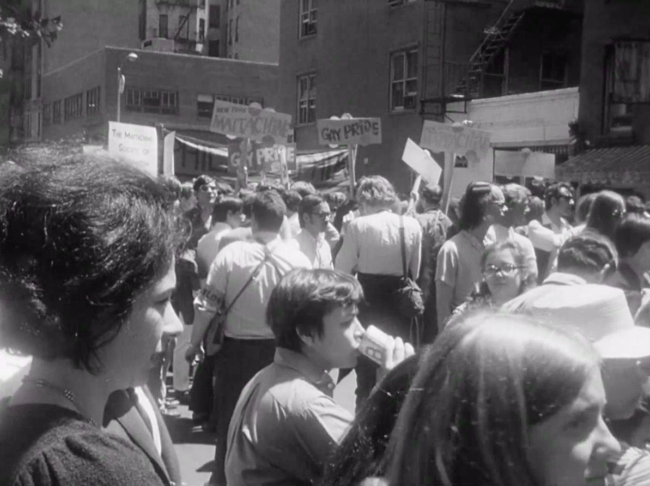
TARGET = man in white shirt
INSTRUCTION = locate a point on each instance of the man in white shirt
(292, 201)
(504, 228)
(314, 217)
(548, 236)
(372, 249)
(242, 277)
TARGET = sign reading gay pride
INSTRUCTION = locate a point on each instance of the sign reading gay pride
(349, 131)
(261, 158)
(460, 140)
(249, 122)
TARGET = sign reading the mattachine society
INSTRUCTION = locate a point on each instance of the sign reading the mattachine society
(361, 131)
(249, 122)
(440, 137)
(137, 144)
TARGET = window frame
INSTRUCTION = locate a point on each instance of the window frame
(160, 26)
(216, 16)
(93, 95)
(57, 117)
(554, 83)
(47, 114)
(306, 105)
(237, 29)
(307, 19)
(394, 108)
(152, 100)
(73, 107)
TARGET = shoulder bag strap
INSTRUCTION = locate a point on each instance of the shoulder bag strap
(248, 282)
(402, 245)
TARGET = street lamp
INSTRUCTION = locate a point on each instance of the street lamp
(131, 56)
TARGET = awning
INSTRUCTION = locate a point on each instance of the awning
(626, 166)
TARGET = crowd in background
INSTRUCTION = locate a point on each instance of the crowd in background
(518, 348)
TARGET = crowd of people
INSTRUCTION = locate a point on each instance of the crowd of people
(517, 347)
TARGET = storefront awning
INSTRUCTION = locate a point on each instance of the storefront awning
(615, 166)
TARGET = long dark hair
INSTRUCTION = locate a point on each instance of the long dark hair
(479, 388)
(606, 213)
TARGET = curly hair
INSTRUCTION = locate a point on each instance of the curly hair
(80, 239)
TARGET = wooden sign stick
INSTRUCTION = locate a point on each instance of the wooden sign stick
(352, 161)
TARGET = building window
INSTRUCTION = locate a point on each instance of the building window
(204, 106)
(214, 48)
(142, 19)
(215, 16)
(92, 101)
(183, 27)
(553, 71)
(308, 17)
(495, 77)
(152, 101)
(163, 24)
(230, 32)
(404, 80)
(47, 114)
(201, 30)
(56, 112)
(73, 107)
(307, 99)
(237, 29)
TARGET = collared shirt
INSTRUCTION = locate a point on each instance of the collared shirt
(630, 467)
(285, 424)
(316, 250)
(208, 247)
(147, 406)
(551, 285)
(232, 269)
(372, 245)
(499, 233)
(294, 224)
(459, 265)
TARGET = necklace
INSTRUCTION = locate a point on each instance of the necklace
(66, 393)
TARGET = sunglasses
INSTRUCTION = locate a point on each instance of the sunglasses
(322, 215)
(208, 188)
(506, 270)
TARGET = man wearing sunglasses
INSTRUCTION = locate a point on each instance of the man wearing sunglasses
(314, 215)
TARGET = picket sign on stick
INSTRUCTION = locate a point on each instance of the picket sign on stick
(456, 139)
(423, 165)
(351, 132)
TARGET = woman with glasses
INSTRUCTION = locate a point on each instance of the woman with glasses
(505, 276)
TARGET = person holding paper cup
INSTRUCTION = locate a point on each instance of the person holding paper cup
(286, 422)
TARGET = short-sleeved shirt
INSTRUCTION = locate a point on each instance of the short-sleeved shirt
(499, 233)
(285, 424)
(372, 245)
(208, 247)
(229, 273)
(459, 265)
(434, 233)
(317, 250)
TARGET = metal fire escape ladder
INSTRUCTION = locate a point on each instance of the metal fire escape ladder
(495, 40)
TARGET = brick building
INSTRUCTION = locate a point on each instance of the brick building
(614, 120)
(253, 30)
(406, 61)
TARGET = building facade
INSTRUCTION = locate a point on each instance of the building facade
(407, 61)
(253, 30)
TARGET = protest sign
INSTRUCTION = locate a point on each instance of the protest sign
(168, 153)
(524, 164)
(455, 139)
(349, 131)
(250, 122)
(137, 144)
(262, 158)
(421, 162)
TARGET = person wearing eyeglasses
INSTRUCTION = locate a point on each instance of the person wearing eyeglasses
(314, 215)
(548, 235)
(458, 267)
(506, 275)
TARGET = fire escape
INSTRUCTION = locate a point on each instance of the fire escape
(184, 38)
(446, 82)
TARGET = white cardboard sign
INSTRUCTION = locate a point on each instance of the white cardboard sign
(137, 144)
(349, 131)
(461, 140)
(421, 162)
(527, 164)
(249, 122)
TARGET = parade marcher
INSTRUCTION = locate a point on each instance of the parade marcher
(89, 305)
(491, 405)
(314, 218)
(434, 233)
(376, 247)
(634, 204)
(504, 228)
(459, 261)
(292, 200)
(187, 200)
(606, 213)
(505, 276)
(244, 232)
(582, 209)
(548, 235)
(226, 215)
(207, 195)
(632, 241)
(361, 453)
(242, 278)
(286, 422)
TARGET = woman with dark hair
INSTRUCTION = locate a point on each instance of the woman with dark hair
(87, 251)
(606, 213)
(361, 452)
(502, 400)
(458, 266)
(632, 241)
(583, 208)
(505, 276)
